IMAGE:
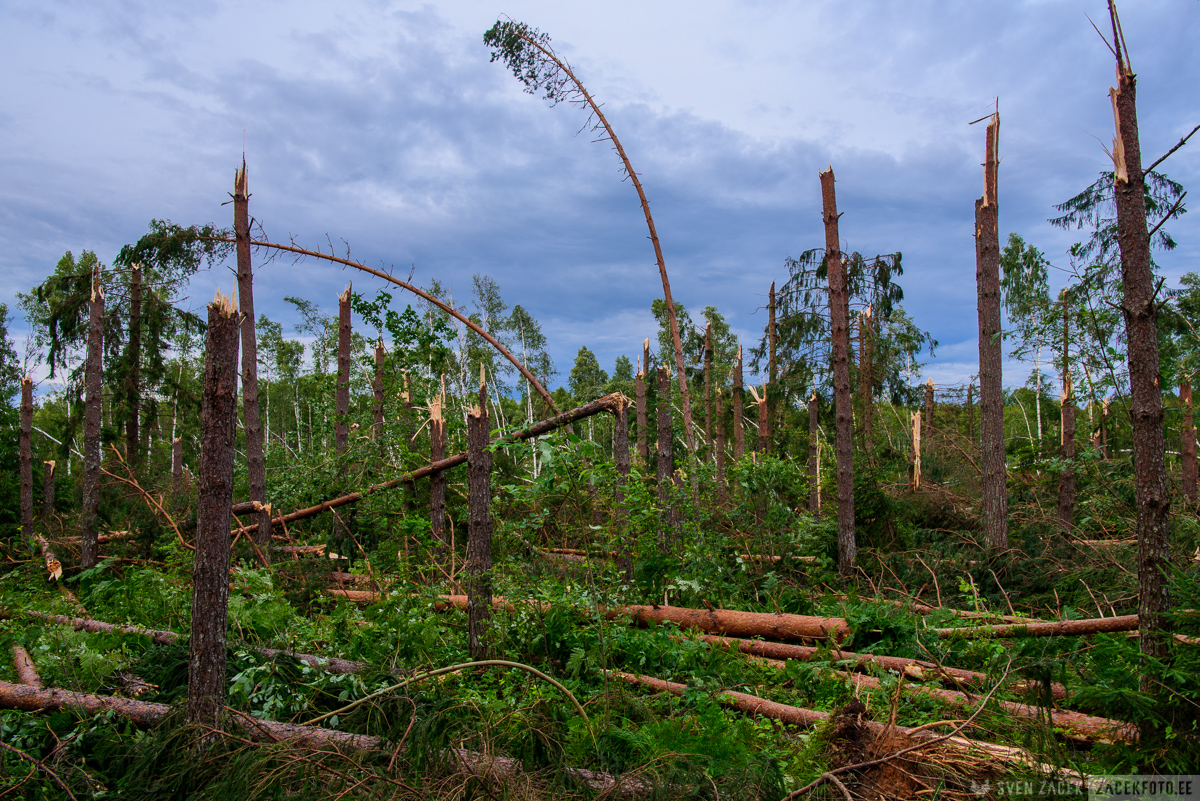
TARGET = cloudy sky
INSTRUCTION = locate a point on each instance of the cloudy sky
(384, 124)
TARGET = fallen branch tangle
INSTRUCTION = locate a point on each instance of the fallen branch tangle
(613, 404)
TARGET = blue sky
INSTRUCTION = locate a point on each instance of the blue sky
(384, 124)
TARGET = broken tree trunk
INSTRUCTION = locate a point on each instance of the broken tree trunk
(929, 406)
(720, 445)
(971, 412)
(609, 403)
(839, 310)
(437, 481)
(1066, 477)
(479, 531)
(342, 410)
(912, 668)
(764, 424)
(377, 389)
(916, 451)
(256, 469)
(1187, 443)
(25, 449)
(621, 462)
(739, 435)
(48, 481)
(1140, 310)
(665, 460)
(866, 377)
(772, 351)
(91, 425)
(177, 464)
(1049, 629)
(994, 499)
(814, 479)
(643, 443)
(210, 570)
(133, 360)
(708, 390)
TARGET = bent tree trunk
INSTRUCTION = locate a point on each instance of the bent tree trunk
(991, 390)
(91, 426)
(839, 312)
(1141, 329)
(210, 570)
(256, 471)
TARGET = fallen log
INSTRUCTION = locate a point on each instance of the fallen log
(145, 714)
(713, 621)
(26, 671)
(912, 668)
(53, 566)
(799, 716)
(925, 609)
(611, 403)
(1050, 629)
(1075, 725)
(330, 664)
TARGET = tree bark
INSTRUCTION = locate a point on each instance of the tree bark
(994, 499)
(377, 388)
(133, 354)
(48, 481)
(1066, 478)
(916, 451)
(210, 570)
(1187, 446)
(256, 469)
(764, 424)
(971, 413)
(91, 425)
(342, 410)
(839, 310)
(1050, 629)
(866, 377)
(1141, 329)
(437, 481)
(708, 396)
(721, 485)
(739, 434)
(929, 405)
(479, 522)
(177, 463)
(814, 480)
(621, 463)
(665, 459)
(25, 449)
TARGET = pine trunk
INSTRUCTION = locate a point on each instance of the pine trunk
(814, 480)
(1187, 446)
(479, 531)
(377, 388)
(342, 406)
(720, 445)
(210, 568)
(772, 353)
(764, 424)
(665, 457)
(991, 390)
(708, 397)
(1141, 329)
(866, 377)
(621, 463)
(971, 413)
(93, 375)
(25, 449)
(739, 434)
(256, 469)
(839, 311)
(437, 481)
(1066, 478)
(133, 355)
